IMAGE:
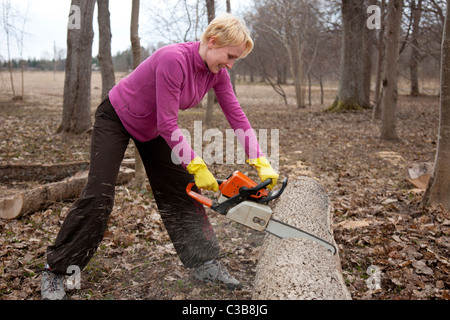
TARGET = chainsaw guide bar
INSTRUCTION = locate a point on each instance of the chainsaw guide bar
(283, 230)
(244, 201)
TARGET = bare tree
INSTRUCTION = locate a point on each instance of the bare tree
(232, 72)
(269, 57)
(438, 190)
(8, 27)
(104, 51)
(290, 22)
(294, 46)
(140, 178)
(416, 13)
(76, 117)
(390, 95)
(380, 59)
(20, 37)
(134, 34)
(178, 20)
(351, 94)
(211, 11)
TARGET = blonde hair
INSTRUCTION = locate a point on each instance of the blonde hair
(229, 31)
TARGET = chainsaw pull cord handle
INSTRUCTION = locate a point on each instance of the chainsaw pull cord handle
(199, 197)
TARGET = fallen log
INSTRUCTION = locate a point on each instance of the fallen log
(40, 172)
(46, 172)
(297, 268)
(39, 198)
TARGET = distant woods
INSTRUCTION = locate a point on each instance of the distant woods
(297, 42)
(123, 62)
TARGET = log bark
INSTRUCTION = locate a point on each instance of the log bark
(40, 198)
(297, 268)
(40, 172)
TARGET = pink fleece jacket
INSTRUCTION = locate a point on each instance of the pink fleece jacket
(175, 77)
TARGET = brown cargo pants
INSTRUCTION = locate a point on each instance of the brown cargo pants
(83, 229)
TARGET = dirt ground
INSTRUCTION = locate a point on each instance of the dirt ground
(379, 217)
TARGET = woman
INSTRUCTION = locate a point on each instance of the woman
(144, 107)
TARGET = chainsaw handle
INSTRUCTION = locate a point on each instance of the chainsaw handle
(199, 197)
(262, 185)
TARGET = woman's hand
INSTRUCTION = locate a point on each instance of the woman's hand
(203, 177)
(265, 170)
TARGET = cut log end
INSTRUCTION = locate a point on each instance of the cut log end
(11, 206)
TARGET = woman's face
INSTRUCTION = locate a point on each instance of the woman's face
(223, 57)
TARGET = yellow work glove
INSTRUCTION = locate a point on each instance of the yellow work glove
(203, 177)
(265, 170)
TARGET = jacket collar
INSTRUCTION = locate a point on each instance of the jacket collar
(199, 64)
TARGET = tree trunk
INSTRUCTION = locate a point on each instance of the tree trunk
(76, 116)
(297, 268)
(232, 71)
(140, 177)
(378, 93)
(390, 93)
(297, 71)
(8, 28)
(350, 90)
(211, 11)
(134, 34)
(309, 89)
(368, 41)
(416, 11)
(104, 52)
(438, 190)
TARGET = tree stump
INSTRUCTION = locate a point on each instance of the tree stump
(297, 268)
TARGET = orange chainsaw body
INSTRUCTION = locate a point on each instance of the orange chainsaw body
(230, 187)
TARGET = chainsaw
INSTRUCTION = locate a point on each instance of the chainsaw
(246, 202)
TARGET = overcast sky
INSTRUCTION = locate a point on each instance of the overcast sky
(46, 26)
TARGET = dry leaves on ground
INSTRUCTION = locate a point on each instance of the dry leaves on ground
(379, 217)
